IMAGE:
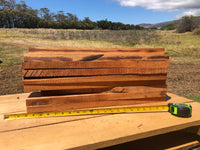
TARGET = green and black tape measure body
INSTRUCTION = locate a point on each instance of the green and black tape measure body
(180, 109)
(177, 109)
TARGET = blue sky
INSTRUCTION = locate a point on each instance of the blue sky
(125, 11)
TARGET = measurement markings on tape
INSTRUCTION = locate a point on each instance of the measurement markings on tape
(85, 112)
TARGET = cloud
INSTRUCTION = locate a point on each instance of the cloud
(190, 7)
(193, 12)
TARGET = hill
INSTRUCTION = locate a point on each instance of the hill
(157, 25)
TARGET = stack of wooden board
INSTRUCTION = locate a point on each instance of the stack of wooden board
(75, 78)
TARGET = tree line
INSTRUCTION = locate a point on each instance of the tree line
(184, 24)
(20, 15)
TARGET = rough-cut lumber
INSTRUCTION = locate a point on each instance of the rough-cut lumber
(95, 64)
(56, 50)
(91, 72)
(185, 146)
(89, 57)
(118, 93)
(94, 79)
(62, 87)
(90, 104)
(93, 85)
(72, 91)
(115, 97)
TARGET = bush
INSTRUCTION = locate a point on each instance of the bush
(169, 27)
(188, 24)
(196, 32)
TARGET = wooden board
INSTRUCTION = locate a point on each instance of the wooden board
(86, 132)
(92, 83)
(93, 86)
(90, 104)
(94, 79)
(61, 50)
(88, 57)
(91, 72)
(115, 97)
(95, 64)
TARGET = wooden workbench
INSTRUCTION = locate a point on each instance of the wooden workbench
(86, 132)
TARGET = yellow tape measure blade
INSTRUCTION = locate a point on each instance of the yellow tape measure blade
(86, 112)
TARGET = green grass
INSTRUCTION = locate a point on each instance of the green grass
(193, 97)
(10, 55)
(183, 48)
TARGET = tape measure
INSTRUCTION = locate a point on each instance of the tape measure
(178, 109)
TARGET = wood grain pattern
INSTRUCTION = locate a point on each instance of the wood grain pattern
(91, 72)
(118, 93)
(93, 86)
(95, 50)
(73, 91)
(94, 79)
(28, 88)
(61, 107)
(115, 97)
(95, 64)
(90, 57)
(87, 132)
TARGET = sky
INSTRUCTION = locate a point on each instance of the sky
(125, 11)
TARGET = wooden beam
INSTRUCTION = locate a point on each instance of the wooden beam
(95, 64)
(72, 91)
(90, 57)
(185, 146)
(117, 96)
(94, 79)
(62, 50)
(61, 107)
(119, 93)
(93, 85)
(91, 72)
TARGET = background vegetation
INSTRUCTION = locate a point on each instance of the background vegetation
(184, 24)
(19, 15)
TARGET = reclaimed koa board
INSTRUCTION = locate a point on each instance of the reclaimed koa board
(74, 78)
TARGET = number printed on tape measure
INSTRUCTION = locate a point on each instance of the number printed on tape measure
(85, 112)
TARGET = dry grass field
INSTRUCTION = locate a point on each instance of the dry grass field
(184, 49)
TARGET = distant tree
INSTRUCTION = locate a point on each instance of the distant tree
(187, 24)
(60, 16)
(87, 24)
(169, 27)
(11, 4)
(60, 20)
(72, 21)
(104, 24)
(117, 26)
(20, 15)
(137, 27)
(46, 14)
(3, 4)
